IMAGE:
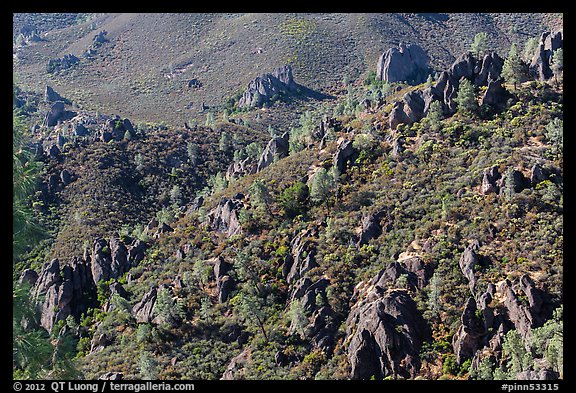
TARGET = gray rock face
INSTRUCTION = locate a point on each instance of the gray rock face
(490, 68)
(302, 258)
(540, 64)
(143, 310)
(276, 149)
(407, 63)
(101, 260)
(386, 332)
(225, 286)
(264, 87)
(241, 168)
(345, 154)
(224, 217)
(28, 277)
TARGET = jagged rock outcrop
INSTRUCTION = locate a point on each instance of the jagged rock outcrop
(51, 96)
(113, 259)
(385, 333)
(224, 217)
(495, 95)
(55, 113)
(143, 311)
(264, 87)
(61, 64)
(111, 376)
(370, 228)
(540, 64)
(241, 168)
(27, 35)
(407, 63)
(235, 371)
(62, 290)
(276, 149)
(490, 181)
(468, 260)
(346, 154)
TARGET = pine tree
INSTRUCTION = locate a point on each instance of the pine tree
(512, 70)
(557, 63)
(480, 44)
(466, 98)
(323, 185)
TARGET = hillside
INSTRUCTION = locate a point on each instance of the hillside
(337, 226)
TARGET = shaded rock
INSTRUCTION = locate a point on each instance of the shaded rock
(163, 228)
(117, 289)
(136, 252)
(119, 255)
(397, 147)
(490, 69)
(514, 180)
(61, 64)
(80, 130)
(385, 332)
(407, 63)
(397, 115)
(495, 95)
(370, 228)
(345, 154)
(264, 87)
(51, 96)
(65, 177)
(538, 174)
(221, 267)
(414, 106)
(101, 260)
(276, 149)
(194, 83)
(143, 310)
(55, 114)
(467, 338)
(241, 168)
(99, 342)
(422, 271)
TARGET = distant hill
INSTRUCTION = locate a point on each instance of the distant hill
(144, 69)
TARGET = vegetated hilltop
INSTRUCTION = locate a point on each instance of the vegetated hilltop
(396, 231)
(143, 69)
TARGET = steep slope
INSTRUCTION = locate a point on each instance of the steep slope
(392, 233)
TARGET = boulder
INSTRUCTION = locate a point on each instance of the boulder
(65, 177)
(28, 277)
(276, 149)
(407, 63)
